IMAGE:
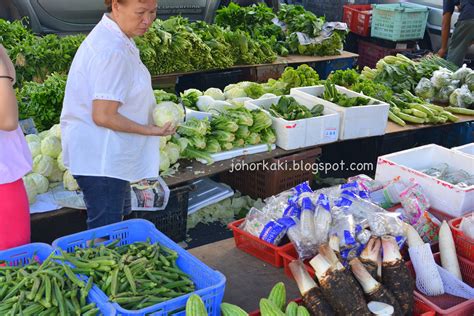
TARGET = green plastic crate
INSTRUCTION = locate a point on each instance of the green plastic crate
(399, 21)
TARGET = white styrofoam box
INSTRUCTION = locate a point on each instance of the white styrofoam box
(442, 195)
(207, 192)
(249, 150)
(466, 149)
(357, 121)
(305, 132)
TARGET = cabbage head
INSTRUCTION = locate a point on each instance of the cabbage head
(69, 182)
(425, 89)
(164, 161)
(189, 91)
(30, 138)
(41, 182)
(43, 134)
(35, 148)
(56, 174)
(173, 151)
(55, 131)
(43, 165)
(60, 162)
(30, 187)
(51, 146)
(235, 93)
(162, 142)
(168, 111)
(215, 93)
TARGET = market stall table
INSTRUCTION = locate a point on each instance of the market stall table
(248, 278)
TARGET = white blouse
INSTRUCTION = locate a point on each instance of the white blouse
(107, 66)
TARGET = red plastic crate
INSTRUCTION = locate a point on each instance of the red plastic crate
(288, 253)
(255, 246)
(358, 19)
(371, 53)
(448, 304)
(464, 244)
(421, 309)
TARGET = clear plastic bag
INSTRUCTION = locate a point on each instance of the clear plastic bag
(425, 89)
(322, 219)
(437, 171)
(441, 78)
(462, 73)
(461, 97)
(414, 203)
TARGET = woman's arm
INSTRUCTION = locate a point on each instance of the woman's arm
(105, 114)
(8, 105)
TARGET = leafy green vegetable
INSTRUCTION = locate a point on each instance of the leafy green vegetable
(332, 95)
(345, 78)
(289, 109)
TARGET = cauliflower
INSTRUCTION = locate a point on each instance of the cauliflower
(168, 111)
(51, 146)
(215, 93)
(425, 89)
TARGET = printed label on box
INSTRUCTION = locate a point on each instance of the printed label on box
(330, 133)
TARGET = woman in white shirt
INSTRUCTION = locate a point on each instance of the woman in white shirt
(106, 123)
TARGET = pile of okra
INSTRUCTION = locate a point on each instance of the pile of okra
(43, 289)
(135, 276)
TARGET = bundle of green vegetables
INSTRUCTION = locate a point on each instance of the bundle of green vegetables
(289, 109)
(401, 73)
(332, 95)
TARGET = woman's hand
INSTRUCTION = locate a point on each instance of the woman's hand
(167, 129)
(6, 65)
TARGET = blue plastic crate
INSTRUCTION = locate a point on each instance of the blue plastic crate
(210, 284)
(325, 68)
(39, 252)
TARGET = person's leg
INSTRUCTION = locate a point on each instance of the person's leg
(460, 41)
(104, 198)
(127, 206)
(14, 215)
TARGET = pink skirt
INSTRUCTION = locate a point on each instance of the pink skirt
(14, 215)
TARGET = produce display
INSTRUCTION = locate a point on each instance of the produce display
(332, 95)
(46, 288)
(135, 276)
(445, 86)
(289, 109)
(292, 30)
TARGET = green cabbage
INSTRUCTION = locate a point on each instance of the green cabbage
(51, 146)
(461, 97)
(35, 148)
(215, 93)
(213, 146)
(41, 183)
(168, 111)
(425, 89)
(162, 142)
(69, 182)
(55, 131)
(43, 165)
(173, 151)
(164, 161)
(56, 174)
(234, 93)
(189, 91)
(32, 138)
(43, 134)
(469, 80)
(60, 161)
(30, 187)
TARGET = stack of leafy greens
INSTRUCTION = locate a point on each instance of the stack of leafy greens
(280, 31)
(233, 128)
(289, 109)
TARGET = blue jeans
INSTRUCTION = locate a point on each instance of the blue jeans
(107, 199)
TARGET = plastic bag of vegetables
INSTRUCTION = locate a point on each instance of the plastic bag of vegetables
(168, 111)
(442, 94)
(442, 78)
(469, 81)
(462, 73)
(461, 97)
(425, 89)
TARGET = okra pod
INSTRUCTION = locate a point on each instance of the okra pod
(128, 275)
(92, 312)
(34, 289)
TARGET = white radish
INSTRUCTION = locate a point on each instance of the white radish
(413, 237)
(449, 259)
(379, 308)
